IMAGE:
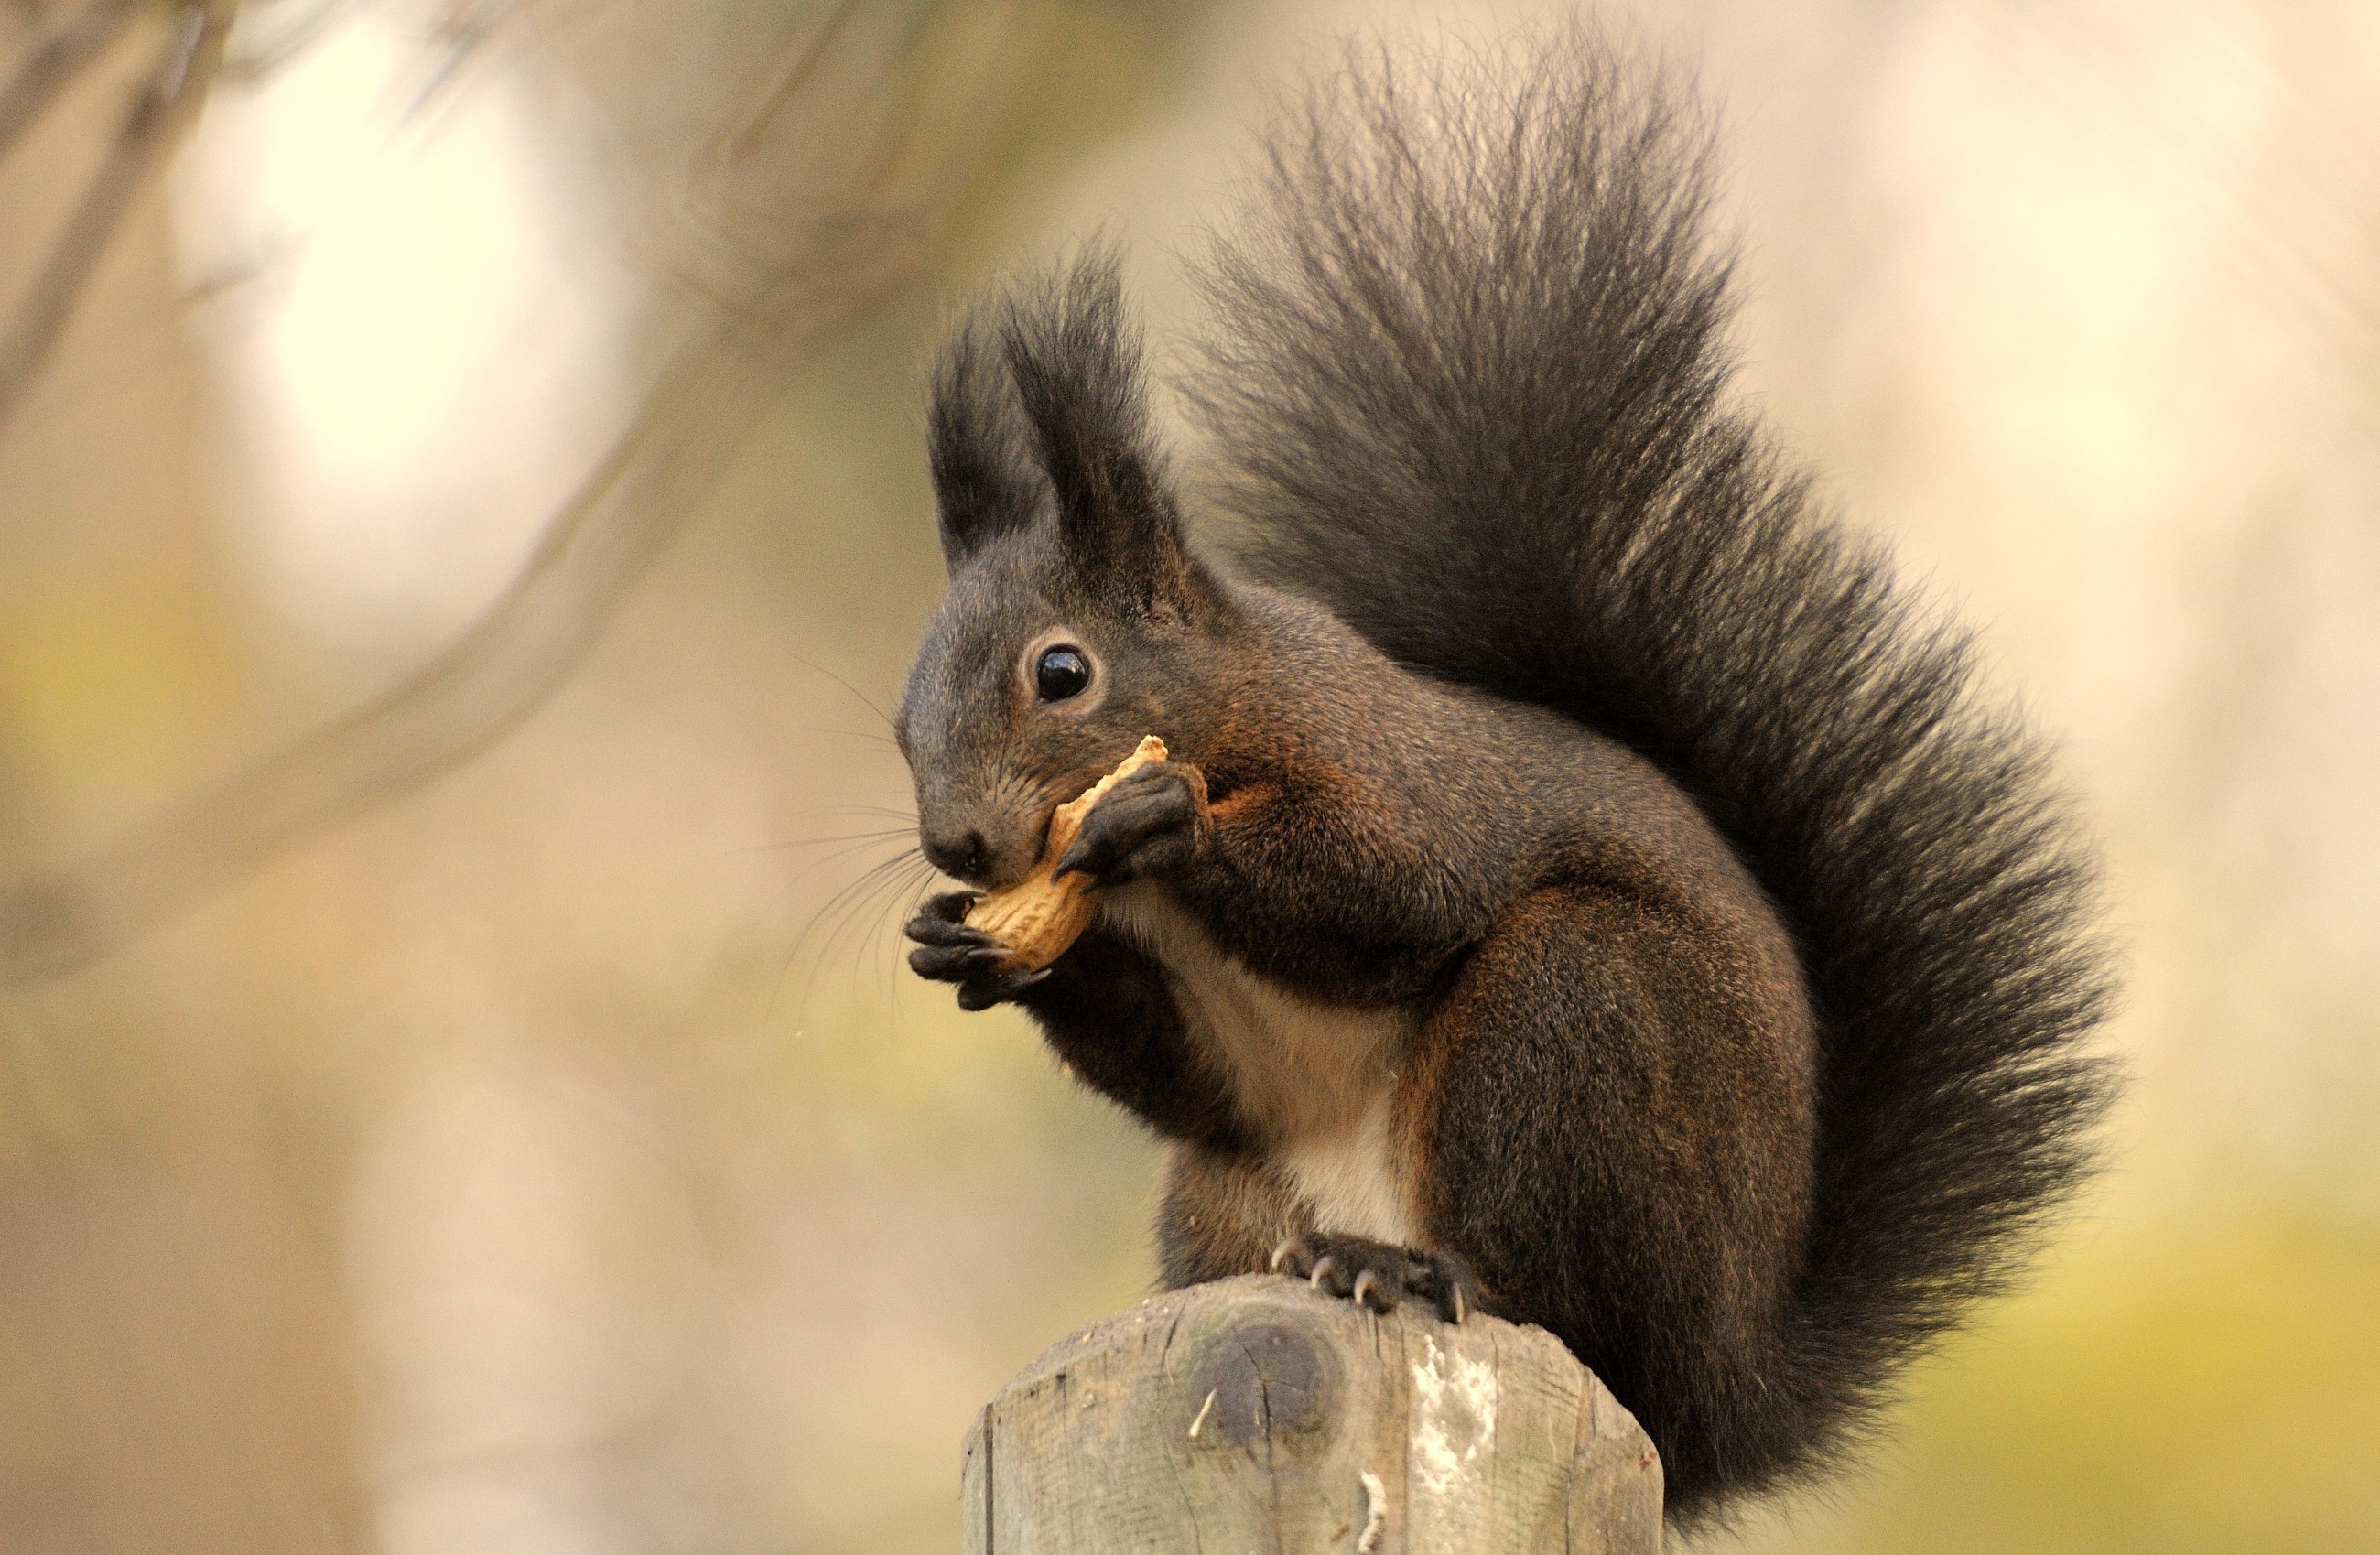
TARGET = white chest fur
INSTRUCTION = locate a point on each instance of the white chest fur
(1313, 1082)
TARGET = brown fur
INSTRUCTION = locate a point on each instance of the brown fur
(1225, 1211)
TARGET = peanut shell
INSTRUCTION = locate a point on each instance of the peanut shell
(1039, 915)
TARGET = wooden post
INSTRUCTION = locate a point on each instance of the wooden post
(1257, 1415)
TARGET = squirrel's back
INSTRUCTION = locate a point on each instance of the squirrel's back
(1468, 388)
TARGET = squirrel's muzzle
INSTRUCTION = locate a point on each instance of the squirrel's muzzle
(975, 843)
(959, 853)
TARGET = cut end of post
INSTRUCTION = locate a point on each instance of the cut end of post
(1259, 1413)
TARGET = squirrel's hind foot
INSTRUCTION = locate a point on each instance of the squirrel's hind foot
(1377, 1275)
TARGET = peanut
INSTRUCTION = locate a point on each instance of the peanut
(1041, 916)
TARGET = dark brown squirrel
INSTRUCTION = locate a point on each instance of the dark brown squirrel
(1583, 888)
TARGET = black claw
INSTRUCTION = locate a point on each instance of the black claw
(948, 951)
(939, 962)
(956, 962)
(950, 907)
(1377, 1275)
(1456, 1287)
(928, 930)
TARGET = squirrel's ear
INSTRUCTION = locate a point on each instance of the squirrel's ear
(983, 481)
(1076, 366)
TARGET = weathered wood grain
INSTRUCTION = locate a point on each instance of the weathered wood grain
(1256, 1414)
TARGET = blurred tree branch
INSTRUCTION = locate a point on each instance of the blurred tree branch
(839, 242)
(503, 666)
(149, 130)
(52, 64)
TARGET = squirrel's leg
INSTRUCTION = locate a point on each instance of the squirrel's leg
(1227, 1211)
(1613, 1120)
(1224, 1212)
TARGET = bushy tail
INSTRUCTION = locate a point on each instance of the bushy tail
(1468, 387)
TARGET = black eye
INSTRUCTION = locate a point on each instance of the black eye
(1061, 673)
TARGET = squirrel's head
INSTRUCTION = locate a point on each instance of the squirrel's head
(1077, 619)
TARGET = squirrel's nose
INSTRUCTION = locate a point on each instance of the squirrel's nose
(959, 854)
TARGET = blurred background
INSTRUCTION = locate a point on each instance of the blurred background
(462, 518)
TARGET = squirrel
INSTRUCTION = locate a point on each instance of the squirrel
(1582, 885)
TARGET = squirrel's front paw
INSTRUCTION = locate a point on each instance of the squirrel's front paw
(950, 952)
(1152, 820)
(1379, 1274)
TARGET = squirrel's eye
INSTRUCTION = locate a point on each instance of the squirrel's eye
(1062, 672)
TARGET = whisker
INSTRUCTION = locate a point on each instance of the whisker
(842, 853)
(915, 887)
(900, 818)
(883, 917)
(820, 842)
(875, 920)
(864, 877)
(907, 894)
(854, 690)
(868, 735)
(873, 812)
(840, 907)
(801, 937)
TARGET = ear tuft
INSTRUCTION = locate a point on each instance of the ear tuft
(983, 481)
(1076, 366)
